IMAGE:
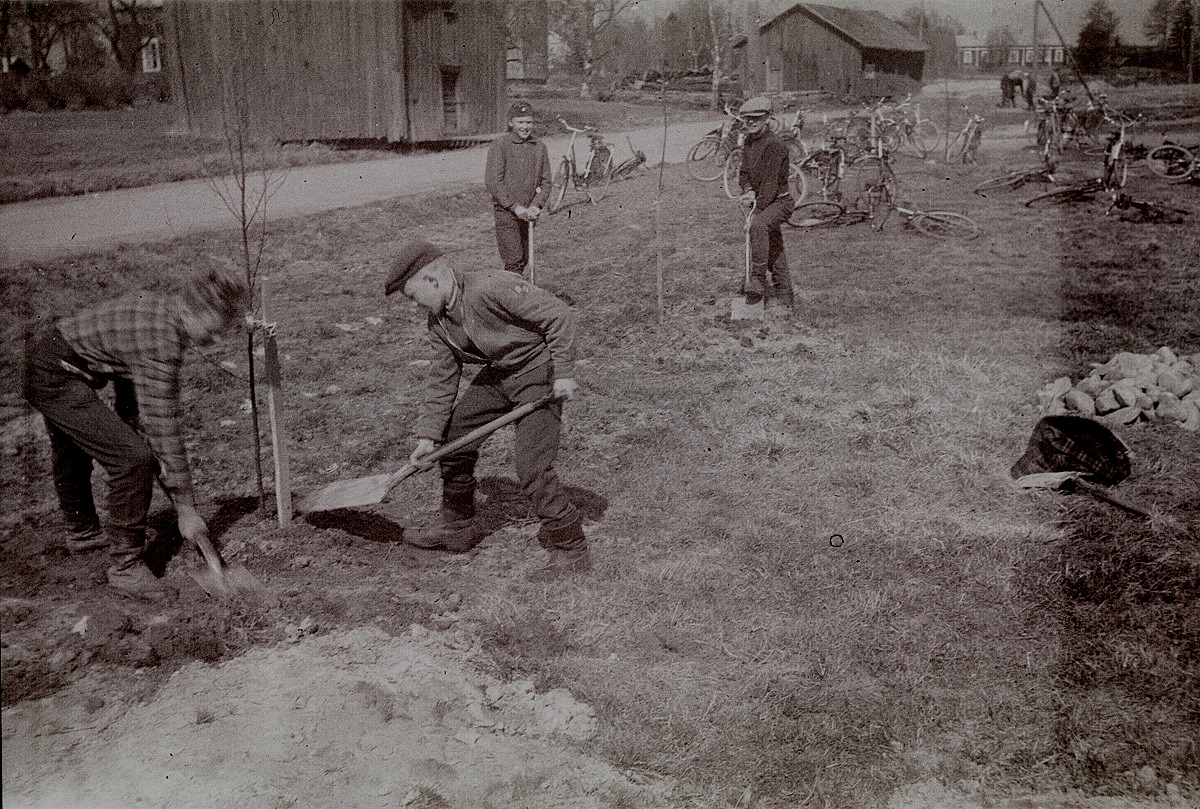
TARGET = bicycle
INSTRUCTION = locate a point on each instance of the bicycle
(1016, 178)
(597, 170)
(870, 175)
(1146, 211)
(706, 160)
(1173, 162)
(965, 146)
(908, 131)
(1111, 181)
(938, 224)
(828, 165)
(1055, 123)
(630, 165)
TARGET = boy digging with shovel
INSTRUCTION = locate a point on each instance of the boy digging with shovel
(524, 338)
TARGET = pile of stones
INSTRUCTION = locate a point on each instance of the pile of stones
(1132, 388)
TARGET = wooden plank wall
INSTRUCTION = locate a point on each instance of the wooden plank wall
(311, 69)
(819, 58)
(466, 38)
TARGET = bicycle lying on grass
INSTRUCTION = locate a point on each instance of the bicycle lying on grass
(938, 224)
(1019, 177)
(1173, 162)
(1140, 210)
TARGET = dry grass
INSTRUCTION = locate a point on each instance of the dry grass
(955, 632)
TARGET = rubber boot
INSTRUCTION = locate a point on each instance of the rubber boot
(129, 573)
(455, 532)
(568, 552)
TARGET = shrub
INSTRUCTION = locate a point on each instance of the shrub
(11, 95)
(151, 87)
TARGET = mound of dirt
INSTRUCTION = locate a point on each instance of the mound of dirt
(355, 718)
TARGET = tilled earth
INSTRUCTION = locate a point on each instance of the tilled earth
(377, 674)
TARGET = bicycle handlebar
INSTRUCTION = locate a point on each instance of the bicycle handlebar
(585, 130)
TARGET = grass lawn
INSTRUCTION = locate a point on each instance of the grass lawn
(816, 583)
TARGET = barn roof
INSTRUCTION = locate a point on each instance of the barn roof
(869, 29)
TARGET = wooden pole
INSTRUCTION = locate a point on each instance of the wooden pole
(662, 163)
(1036, 60)
(283, 477)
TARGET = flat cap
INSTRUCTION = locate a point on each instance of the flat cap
(754, 107)
(520, 109)
(413, 256)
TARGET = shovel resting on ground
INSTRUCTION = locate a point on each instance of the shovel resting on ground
(371, 490)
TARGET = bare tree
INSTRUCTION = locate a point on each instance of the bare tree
(50, 23)
(246, 190)
(129, 26)
(584, 25)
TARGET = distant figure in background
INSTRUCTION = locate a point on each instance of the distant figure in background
(518, 178)
(1009, 84)
(1030, 88)
(1055, 83)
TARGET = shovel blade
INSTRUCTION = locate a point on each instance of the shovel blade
(233, 579)
(354, 493)
(739, 309)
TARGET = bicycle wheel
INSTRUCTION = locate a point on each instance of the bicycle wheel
(558, 185)
(815, 214)
(881, 201)
(864, 174)
(1171, 162)
(797, 183)
(704, 160)
(626, 169)
(797, 151)
(957, 147)
(919, 145)
(730, 182)
(1009, 182)
(928, 131)
(1060, 196)
(599, 175)
(892, 137)
(946, 225)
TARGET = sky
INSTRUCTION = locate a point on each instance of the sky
(981, 15)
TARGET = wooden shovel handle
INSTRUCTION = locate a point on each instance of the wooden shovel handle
(427, 461)
(1100, 493)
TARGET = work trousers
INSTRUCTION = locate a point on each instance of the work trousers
(83, 430)
(512, 237)
(490, 395)
(766, 245)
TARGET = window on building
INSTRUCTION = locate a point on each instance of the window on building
(966, 57)
(1058, 55)
(1014, 56)
(152, 56)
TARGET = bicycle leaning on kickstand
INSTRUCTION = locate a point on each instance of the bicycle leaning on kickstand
(593, 180)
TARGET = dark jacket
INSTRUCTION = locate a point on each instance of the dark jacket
(510, 324)
(518, 172)
(764, 168)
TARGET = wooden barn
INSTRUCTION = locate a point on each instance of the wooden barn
(794, 46)
(400, 70)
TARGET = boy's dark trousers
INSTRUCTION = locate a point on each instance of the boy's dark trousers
(512, 237)
(83, 429)
(766, 247)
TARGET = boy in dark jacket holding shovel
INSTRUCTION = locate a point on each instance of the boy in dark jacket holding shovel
(518, 178)
(524, 338)
(767, 199)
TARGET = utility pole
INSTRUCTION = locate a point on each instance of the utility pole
(1193, 70)
(1036, 60)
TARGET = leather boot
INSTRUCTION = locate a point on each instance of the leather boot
(129, 573)
(568, 552)
(784, 297)
(455, 532)
(82, 541)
